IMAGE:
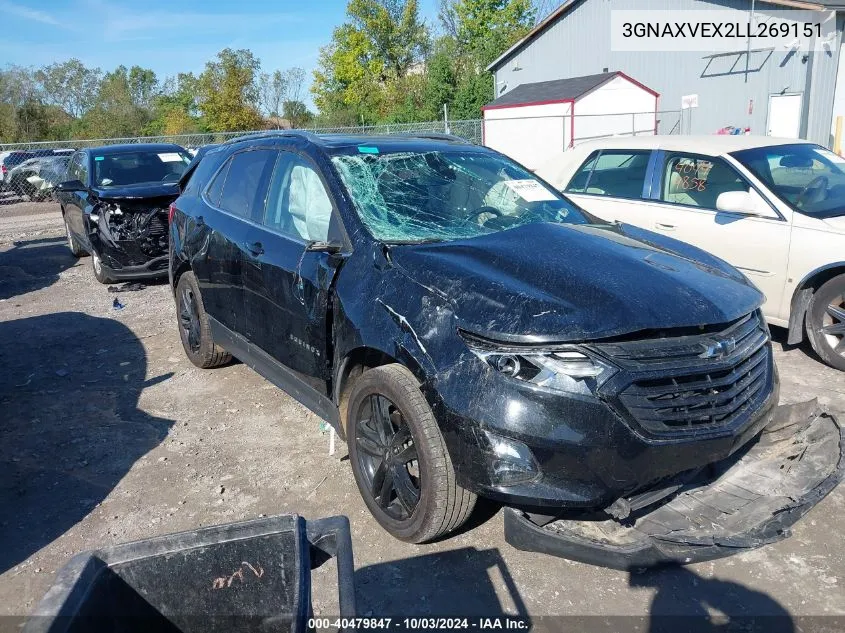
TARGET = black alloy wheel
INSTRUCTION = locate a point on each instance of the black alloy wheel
(189, 319)
(388, 457)
(194, 330)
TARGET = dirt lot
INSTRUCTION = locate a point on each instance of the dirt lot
(108, 434)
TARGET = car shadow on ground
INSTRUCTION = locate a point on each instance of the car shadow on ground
(686, 601)
(70, 427)
(780, 336)
(430, 585)
(33, 265)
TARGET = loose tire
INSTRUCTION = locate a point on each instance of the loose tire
(101, 273)
(193, 326)
(399, 458)
(826, 322)
(75, 249)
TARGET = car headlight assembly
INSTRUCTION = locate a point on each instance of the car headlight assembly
(567, 369)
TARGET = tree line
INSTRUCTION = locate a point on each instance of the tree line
(384, 64)
(68, 100)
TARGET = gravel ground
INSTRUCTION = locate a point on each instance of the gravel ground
(108, 434)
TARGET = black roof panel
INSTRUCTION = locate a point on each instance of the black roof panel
(556, 90)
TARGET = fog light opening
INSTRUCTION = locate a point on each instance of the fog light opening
(509, 461)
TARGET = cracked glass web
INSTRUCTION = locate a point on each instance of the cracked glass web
(441, 196)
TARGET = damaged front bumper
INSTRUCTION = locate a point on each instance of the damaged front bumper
(738, 504)
(131, 238)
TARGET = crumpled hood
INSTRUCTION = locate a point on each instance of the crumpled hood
(139, 191)
(553, 282)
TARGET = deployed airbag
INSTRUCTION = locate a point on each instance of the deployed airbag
(741, 503)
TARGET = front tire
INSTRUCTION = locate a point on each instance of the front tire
(826, 322)
(75, 249)
(399, 459)
(194, 330)
(101, 273)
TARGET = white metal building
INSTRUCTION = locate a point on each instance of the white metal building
(775, 91)
(536, 121)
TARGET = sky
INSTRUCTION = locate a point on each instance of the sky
(171, 37)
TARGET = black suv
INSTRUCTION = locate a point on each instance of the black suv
(115, 205)
(465, 327)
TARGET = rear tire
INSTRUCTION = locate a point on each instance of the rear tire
(194, 330)
(398, 456)
(826, 322)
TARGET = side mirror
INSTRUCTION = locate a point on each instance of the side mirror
(318, 246)
(737, 202)
(71, 185)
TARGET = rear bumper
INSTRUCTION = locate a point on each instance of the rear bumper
(738, 504)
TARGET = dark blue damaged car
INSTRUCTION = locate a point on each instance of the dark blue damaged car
(470, 332)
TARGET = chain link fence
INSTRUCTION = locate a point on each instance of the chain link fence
(29, 171)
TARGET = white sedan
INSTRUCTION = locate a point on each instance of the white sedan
(774, 208)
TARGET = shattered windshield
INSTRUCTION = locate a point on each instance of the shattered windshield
(132, 168)
(446, 195)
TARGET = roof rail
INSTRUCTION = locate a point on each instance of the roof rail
(436, 136)
(274, 133)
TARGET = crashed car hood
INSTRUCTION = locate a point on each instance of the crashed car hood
(554, 282)
(139, 191)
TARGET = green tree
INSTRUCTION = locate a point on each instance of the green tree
(487, 28)
(70, 85)
(227, 92)
(441, 79)
(174, 109)
(119, 109)
(297, 113)
(380, 43)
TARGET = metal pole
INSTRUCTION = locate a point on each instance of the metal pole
(446, 118)
(748, 50)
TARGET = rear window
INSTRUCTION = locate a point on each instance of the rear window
(612, 173)
(245, 189)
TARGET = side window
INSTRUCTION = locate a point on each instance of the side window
(298, 203)
(74, 170)
(579, 181)
(613, 173)
(216, 187)
(83, 168)
(245, 189)
(697, 181)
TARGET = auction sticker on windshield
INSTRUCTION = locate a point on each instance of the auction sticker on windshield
(170, 157)
(530, 190)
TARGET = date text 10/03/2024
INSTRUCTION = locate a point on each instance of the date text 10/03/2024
(421, 623)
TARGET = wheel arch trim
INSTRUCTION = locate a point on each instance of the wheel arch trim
(802, 296)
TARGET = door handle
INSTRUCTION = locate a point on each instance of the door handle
(660, 226)
(255, 248)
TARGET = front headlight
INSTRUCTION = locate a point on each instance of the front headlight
(566, 368)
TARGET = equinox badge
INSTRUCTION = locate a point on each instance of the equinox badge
(719, 349)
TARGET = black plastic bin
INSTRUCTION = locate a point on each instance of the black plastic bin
(250, 576)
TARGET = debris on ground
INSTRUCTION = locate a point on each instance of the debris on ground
(129, 286)
(117, 305)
